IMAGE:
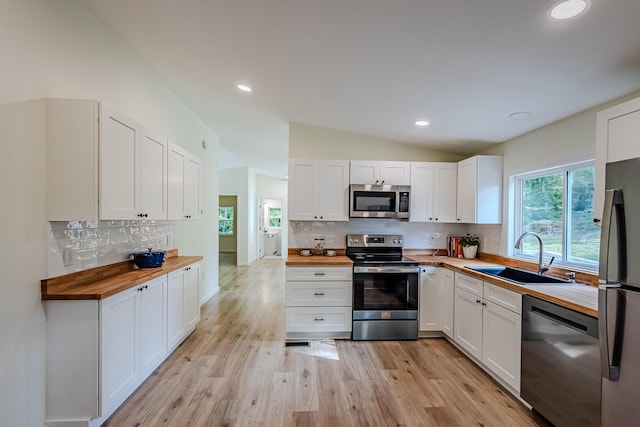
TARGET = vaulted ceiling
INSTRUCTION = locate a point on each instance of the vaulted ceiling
(377, 66)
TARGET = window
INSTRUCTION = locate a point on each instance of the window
(558, 205)
(225, 220)
(275, 217)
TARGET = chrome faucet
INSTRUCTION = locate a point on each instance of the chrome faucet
(541, 267)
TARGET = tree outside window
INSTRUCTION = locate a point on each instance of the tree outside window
(275, 217)
(225, 220)
(558, 205)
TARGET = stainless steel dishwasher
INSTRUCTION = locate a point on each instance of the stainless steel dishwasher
(560, 363)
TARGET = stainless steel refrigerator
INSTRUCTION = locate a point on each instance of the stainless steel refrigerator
(619, 295)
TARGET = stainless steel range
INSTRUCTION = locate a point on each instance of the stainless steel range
(385, 288)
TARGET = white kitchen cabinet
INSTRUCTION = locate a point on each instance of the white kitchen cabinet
(488, 326)
(448, 306)
(431, 299)
(132, 340)
(468, 322)
(119, 167)
(617, 138)
(501, 335)
(133, 169)
(380, 172)
(184, 184)
(433, 192)
(479, 190)
(319, 190)
(119, 337)
(318, 302)
(153, 327)
(100, 351)
(183, 304)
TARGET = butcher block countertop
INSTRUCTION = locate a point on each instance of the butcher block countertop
(102, 282)
(581, 298)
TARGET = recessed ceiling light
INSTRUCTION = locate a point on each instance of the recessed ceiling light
(244, 88)
(567, 9)
(422, 123)
(520, 115)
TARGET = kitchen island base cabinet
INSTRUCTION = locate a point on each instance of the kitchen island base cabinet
(100, 351)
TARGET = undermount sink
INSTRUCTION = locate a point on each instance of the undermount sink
(523, 277)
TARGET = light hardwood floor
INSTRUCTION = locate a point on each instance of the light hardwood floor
(235, 370)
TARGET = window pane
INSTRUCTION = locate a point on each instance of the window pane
(542, 212)
(274, 222)
(225, 220)
(584, 236)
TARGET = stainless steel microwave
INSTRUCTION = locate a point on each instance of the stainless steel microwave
(379, 201)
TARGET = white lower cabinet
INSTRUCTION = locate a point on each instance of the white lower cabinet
(487, 326)
(436, 300)
(183, 307)
(100, 351)
(448, 285)
(318, 302)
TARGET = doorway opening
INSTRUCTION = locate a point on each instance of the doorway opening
(228, 229)
(269, 228)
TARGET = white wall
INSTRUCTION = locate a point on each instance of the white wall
(57, 49)
(314, 142)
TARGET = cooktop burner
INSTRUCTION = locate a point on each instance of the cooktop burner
(368, 249)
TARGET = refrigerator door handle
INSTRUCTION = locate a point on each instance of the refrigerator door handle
(612, 251)
(611, 314)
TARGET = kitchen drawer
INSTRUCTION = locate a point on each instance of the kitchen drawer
(469, 283)
(310, 294)
(318, 319)
(503, 297)
(319, 273)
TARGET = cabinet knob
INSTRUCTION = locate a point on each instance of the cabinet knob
(319, 294)
(318, 319)
(430, 218)
(484, 304)
(436, 219)
(478, 301)
(596, 220)
(318, 274)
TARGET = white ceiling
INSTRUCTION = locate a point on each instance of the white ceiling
(376, 66)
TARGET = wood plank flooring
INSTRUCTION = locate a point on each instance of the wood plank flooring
(234, 370)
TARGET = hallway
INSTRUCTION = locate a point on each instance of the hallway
(234, 370)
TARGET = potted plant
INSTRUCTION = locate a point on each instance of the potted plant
(470, 243)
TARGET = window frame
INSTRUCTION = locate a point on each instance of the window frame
(565, 170)
(232, 220)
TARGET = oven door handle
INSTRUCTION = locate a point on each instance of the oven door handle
(400, 269)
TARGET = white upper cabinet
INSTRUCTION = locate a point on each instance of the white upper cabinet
(133, 169)
(318, 190)
(102, 164)
(184, 184)
(433, 192)
(380, 172)
(617, 138)
(480, 190)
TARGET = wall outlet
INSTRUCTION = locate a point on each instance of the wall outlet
(67, 257)
(433, 239)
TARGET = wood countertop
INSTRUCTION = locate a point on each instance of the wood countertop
(318, 260)
(581, 298)
(102, 282)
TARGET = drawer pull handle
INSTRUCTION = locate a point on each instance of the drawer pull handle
(318, 319)
(318, 274)
(319, 294)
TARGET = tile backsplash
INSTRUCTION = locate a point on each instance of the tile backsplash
(79, 245)
(416, 235)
